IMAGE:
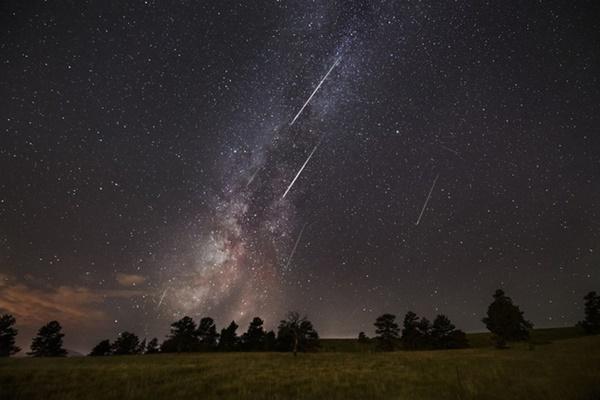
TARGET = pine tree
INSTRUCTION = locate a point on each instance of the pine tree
(127, 343)
(387, 331)
(7, 336)
(444, 334)
(591, 323)
(104, 348)
(229, 339)
(254, 338)
(207, 334)
(505, 320)
(48, 342)
(410, 331)
(183, 337)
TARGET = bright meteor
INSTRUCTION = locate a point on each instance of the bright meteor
(427, 200)
(300, 171)
(290, 258)
(316, 89)
(162, 298)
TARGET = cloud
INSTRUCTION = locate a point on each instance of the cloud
(130, 279)
(70, 305)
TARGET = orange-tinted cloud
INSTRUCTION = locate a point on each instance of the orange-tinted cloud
(130, 279)
(70, 305)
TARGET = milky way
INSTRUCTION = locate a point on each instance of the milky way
(233, 159)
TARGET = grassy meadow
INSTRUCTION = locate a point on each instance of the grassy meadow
(555, 367)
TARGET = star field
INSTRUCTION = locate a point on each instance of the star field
(145, 149)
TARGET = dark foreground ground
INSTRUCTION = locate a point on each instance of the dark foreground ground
(556, 368)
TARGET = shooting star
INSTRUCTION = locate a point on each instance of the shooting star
(427, 201)
(162, 298)
(295, 247)
(449, 149)
(252, 177)
(316, 89)
(300, 171)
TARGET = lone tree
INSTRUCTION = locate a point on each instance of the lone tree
(296, 333)
(505, 320)
(591, 323)
(387, 332)
(444, 334)
(254, 338)
(182, 338)
(152, 347)
(127, 343)
(229, 339)
(207, 333)
(48, 342)
(7, 336)
(103, 348)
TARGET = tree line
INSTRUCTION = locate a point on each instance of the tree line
(296, 333)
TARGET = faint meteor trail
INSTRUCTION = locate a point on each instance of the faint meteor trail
(300, 171)
(316, 89)
(449, 149)
(456, 153)
(295, 247)
(162, 298)
(252, 177)
(427, 200)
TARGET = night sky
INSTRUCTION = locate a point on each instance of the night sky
(145, 150)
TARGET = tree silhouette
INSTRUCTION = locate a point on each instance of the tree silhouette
(127, 343)
(182, 338)
(7, 336)
(296, 333)
(48, 342)
(207, 333)
(254, 338)
(424, 334)
(270, 341)
(103, 348)
(364, 339)
(229, 340)
(444, 334)
(411, 331)
(152, 347)
(591, 323)
(387, 332)
(441, 327)
(505, 320)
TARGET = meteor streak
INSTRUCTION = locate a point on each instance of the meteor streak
(427, 201)
(300, 171)
(252, 177)
(162, 298)
(449, 149)
(294, 248)
(316, 89)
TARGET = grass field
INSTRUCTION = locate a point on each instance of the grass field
(561, 369)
